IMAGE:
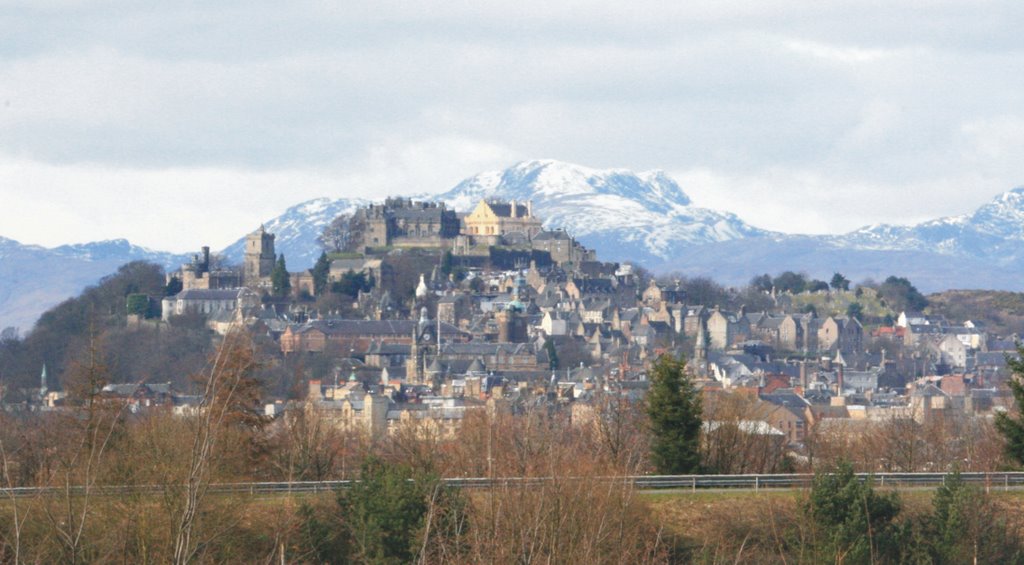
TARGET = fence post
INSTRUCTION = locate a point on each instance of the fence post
(694, 483)
(757, 482)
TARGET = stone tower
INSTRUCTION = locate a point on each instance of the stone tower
(259, 257)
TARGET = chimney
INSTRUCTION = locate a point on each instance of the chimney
(513, 209)
(206, 257)
(529, 208)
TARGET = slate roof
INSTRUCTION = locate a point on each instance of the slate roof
(205, 294)
(371, 327)
(504, 209)
(552, 235)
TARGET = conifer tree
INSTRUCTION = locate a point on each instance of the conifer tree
(320, 274)
(674, 409)
(1012, 427)
(279, 280)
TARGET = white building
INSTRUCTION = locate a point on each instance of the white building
(207, 302)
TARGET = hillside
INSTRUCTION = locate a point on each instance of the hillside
(34, 278)
(1002, 312)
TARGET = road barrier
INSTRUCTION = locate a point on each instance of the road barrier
(644, 482)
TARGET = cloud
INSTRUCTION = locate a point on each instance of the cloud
(808, 202)
(181, 208)
(191, 108)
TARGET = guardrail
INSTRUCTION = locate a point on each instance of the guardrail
(644, 482)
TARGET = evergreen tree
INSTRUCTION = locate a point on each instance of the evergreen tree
(790, 282)
(1012, 427)
(321, 271)
(138, 304)
(839, 282)
(966, 527)
(280, 283)
(674, 409)
(902, 295)
(762, 283)
(858, 525)
(549, 348)
(173, 287)
(447, 263)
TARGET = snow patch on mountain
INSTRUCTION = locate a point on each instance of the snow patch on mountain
(297, 229)
(995, 231)
(34, 278)
(634, 215)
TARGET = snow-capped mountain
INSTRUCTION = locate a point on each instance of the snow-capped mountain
(644, 217)
(639, 216)
(34, 278)
(995, 231)
(296, 231)
(622, 214)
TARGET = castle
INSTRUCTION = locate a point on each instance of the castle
(203, 274)
(497, 219)
(402, 222)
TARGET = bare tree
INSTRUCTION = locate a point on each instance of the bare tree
(738, 437)
(82, 439)
(344, 233)
(231, 367)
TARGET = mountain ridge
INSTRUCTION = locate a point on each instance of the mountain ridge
(644, 217)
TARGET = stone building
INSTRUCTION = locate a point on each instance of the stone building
(202, 274)
(343, 336)
(259, 259)
(210, 302)
(840, 332)
(563, 248)
(402, 222)
(502, 219)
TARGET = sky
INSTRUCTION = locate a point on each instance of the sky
(180, 124)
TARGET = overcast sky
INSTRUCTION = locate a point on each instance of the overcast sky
(188, 124)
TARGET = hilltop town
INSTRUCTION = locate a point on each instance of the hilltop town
(415, 313)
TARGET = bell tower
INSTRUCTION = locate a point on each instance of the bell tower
(259, 257)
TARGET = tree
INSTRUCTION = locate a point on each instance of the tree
(858, 524)
(816, 286)
(704, 291)
(1012, 427)
(901, 295)
(966, 527)
(391, 515)
(839, 282)
(731, 446)
(137, 304)
(549, 348)
(173, 287)
(227, 402)
(321, 272)
(343, 233)
(351, 283)
(855, 310)
(447, 263)
(762, 283)
(279, 280)
(790, 282)
(674, 409)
